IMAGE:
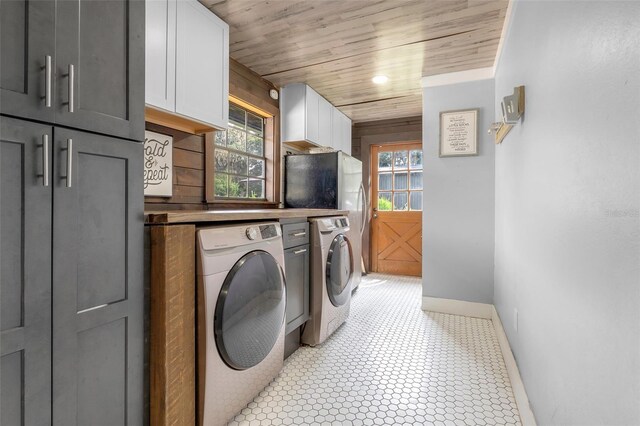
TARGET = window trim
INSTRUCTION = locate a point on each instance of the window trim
(272, 163)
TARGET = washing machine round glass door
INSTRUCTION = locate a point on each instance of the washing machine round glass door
(250, 310)
(339, 270)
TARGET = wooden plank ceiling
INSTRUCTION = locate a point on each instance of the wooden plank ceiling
(337, 46)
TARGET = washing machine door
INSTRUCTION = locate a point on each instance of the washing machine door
(339, 270)
(250, 310)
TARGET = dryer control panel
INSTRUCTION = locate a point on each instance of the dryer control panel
(237, 235)
(331, 224)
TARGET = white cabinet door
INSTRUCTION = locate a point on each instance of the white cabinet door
(346, 134)
(312, 123)
(293, 112)
(325, 116)
(160, 54)
(202, 65)
(336, 129)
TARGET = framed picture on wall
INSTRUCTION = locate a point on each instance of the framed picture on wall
(158, 164)
(459, 133)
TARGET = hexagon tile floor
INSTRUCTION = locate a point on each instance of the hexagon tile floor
(392, 363)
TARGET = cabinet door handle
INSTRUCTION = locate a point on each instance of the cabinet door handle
(47, 81)
(69, 150)
(45, 160)
(300, 251)
(72, 76)
(299, 234)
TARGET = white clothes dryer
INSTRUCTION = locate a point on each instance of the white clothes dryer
(241, 316)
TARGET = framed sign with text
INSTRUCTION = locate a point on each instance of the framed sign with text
(158, 164)
(459, 133)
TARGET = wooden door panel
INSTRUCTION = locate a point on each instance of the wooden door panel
(97, 275)
(395, 249)
(25, 274)
(396, 235)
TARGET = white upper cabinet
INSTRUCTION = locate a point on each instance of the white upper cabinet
(341, 132)
(160, 48)
(307, 119)
(311, 115)
(324, 122)
(336, 126)
(202, 66)
(187, 61)
(346, 134)
(299, 111)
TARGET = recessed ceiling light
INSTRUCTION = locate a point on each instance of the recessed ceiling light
(380, 79)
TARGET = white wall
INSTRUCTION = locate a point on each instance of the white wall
(458, 215)
(568, 209)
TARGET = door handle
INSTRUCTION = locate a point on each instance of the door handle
(45, 160)
(47, 81)
(69, 150)
(365, 212)
(71, 74)
(300, 251)
(375, 215)
(299, 234)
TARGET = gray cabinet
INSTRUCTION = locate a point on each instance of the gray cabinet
(103, 43)
(296, 260)
(97, 280)
(25, 273)
(71, 277)
(77, 63)
(27, 56)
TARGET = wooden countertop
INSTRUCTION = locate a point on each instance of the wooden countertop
(197, 216)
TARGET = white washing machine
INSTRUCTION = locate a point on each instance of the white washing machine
(332, 266)
(241, 316)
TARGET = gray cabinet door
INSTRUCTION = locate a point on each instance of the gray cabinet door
(296, 261)
(103, 40)
(97, 280)
(27, 38)
(25, 274)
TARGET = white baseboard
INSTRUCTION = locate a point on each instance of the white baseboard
(519, 392)
(457, 307)
(488, 311)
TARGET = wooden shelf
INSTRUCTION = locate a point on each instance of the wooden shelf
(301, 145)
(176, 121)
(197, 216)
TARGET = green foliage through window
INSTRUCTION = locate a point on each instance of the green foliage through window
(240, 162)
(384, 204)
